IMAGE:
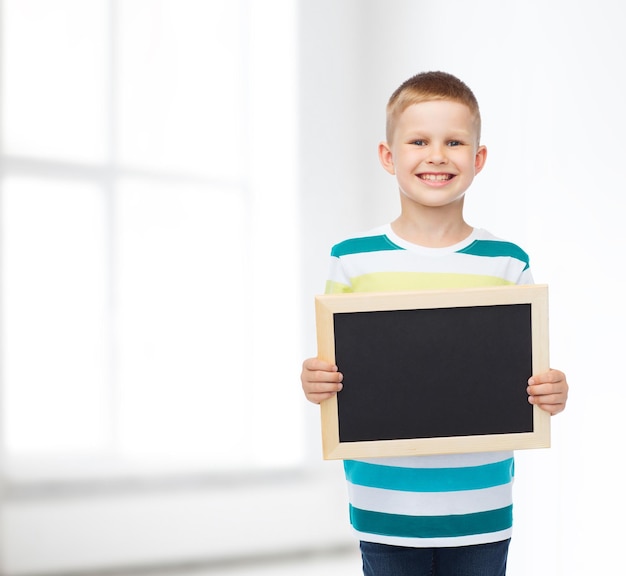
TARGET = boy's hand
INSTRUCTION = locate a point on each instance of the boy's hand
(320, 380)
(548, 390)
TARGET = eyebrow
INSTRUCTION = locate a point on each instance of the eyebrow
(460, 134)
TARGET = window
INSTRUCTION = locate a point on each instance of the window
(149, 248)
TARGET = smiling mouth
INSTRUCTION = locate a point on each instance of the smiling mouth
(436, 177)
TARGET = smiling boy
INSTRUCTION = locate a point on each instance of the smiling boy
(433, 151)
(448, 514)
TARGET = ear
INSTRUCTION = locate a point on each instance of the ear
(386, 157)
(480, 159)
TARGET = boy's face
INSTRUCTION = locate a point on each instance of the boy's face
(434, 153)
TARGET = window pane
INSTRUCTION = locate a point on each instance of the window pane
(181, 308)
(55, 90)
(180, 86)
(54, 313)
(136, 318)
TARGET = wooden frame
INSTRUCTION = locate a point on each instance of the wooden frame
(513, 310)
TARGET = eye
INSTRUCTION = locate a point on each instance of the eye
(419, 142)
(455, 143)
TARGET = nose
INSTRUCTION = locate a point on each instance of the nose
(438, 154)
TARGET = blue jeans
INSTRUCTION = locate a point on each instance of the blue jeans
(479, 560)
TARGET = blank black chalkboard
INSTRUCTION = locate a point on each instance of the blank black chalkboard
(432, 372)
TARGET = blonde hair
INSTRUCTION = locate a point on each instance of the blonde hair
(425, 87)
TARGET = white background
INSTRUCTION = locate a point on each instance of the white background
(549, 80)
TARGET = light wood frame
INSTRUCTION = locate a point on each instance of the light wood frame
(328, 305)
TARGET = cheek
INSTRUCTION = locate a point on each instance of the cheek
(409, 162)
(470, 164)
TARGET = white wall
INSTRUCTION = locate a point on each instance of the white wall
(550, 80)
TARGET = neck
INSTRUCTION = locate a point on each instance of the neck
(431, 232)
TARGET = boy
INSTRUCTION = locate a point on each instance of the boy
(444, 515)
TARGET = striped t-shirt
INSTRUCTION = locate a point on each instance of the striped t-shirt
(440, 500)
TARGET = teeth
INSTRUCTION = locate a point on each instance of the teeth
(435, 177)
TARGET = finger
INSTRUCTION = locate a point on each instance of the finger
(316, 364)
(323, 387)
(549, 376)
(323, 376)
(547, 399)
(543, 389)
(559, 389)
(320, 391)
(550, 407)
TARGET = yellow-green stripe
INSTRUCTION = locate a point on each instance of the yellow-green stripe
(381, 281)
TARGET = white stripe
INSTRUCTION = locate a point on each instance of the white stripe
(336, 272)
(436, 542)
(404, 261)
(476, 234)
(442, 460)
(430, 503)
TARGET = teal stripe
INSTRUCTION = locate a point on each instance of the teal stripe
(366, 244)
(429, 479)
(431, 526)
(495, 248)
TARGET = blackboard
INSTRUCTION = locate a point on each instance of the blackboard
(433, 371)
